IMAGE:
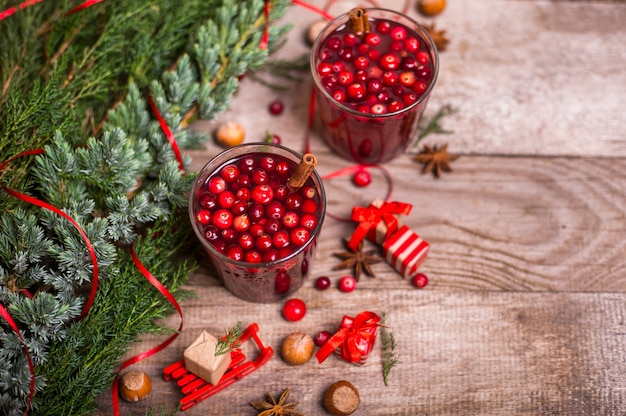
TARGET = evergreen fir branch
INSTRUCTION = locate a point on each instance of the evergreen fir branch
(230, 340)
(433, 125)
(118, 183)
(287, 71)
(390, 357)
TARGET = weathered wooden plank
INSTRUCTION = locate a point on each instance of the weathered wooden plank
(496, 353)
(498, 223)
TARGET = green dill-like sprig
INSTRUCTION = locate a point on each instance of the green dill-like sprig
(433, 125)
(230, 340)
(390, 357)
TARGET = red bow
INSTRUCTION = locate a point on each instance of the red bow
(368, 219)
(356, 335)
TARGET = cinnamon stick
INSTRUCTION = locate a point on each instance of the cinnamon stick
(358, 22)
(302, 172)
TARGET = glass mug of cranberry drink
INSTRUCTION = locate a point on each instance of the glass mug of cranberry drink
(373, 71)
(259, 231)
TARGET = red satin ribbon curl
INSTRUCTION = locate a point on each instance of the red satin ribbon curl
(352, 337)
(369, 218)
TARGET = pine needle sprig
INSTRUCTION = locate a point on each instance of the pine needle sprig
(390, 357)
(433, 125)
(230, 340)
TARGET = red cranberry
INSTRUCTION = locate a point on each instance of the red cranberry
(422, 57)
(398, 33)
(347, 283)
(267, 163)
(244, 180)
(339, 96)
(259, 176)
(217, 184)
(257, 229)
(247, 165)
(243, 194)
(407, 78)
(345, 77)
(270, 255)
(262, 194)
(208, 200)
(282, 282)
(324, 69)
(239, 207)
(271, 226)
(396, 46)
(226, 199)
(362, 178)
(411, 44)
(420, 87)
(308, 221)
(253, 257)
(383, 27)
(211, 233)
(293, 202)
(280, 193)
(360, 62)
(378, 109)
(374, 85)
(309, 206)
(256, 212)
(290, 219)
(389, 62)
(321, 338)
(395, 106)
(276, 107)
(322, 283)
(230, 173)
(203, 216)
(234, 252)
(346, 53)
(372, 39)
(241, 223)
(222, 219)
(228, 235)
(333, 43)
(420, 280)
(355, 91)
(361, 76)
(338, 66)
(409, 98)
(350, 39)
(220, 246)
(275, 210)
(423, 72)
(263, 242)
(299, 236)
(294, 309)
(280, 239)
(245, 241)
(389, 78)
(408, 63)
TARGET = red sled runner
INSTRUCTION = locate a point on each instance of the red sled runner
(195, 389)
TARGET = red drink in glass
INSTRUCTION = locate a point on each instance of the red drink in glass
(259, 234)
(372, 86)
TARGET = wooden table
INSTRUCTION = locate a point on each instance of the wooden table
(525, 312)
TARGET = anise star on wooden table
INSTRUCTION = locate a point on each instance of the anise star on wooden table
(439, 37)
(435, 159)
(360, 260)
(271, 407)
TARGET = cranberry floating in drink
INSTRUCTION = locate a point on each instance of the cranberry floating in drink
(258, 210)
(373, 70)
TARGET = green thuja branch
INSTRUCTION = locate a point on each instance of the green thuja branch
(433, 125)
(230, 340)
(113, 171)
(390, 357)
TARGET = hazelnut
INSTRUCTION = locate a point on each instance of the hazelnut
(230, 134)
(297, 348)
(135, 386)
(315, 29)
(341, 398)
(431, 7)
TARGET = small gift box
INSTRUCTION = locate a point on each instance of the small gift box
(200, 359)
(354, 339)
(378, 221)
(405, 251)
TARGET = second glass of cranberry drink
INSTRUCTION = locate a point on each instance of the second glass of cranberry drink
(373, 71)
(259, 233)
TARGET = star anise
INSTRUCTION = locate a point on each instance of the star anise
(271, 407)
(435, 160)
(439, 37)
(360, 260)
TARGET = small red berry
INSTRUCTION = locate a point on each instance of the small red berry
(294, 309)
(299, 236)
(222, 219)
(322, 283)
(355, 91)
(420, 280)
(241, 223)
(276, 107)
(217, 184)
(235, 252)
(308, 221)
(262, 194)
(321, 338)
(203, 216)
(362, 178)
(398, 33)
(347, 283)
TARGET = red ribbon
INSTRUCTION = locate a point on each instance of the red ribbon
(370, 217)
(7, 317)
(352, 337)
(168, 133)
(163, 290)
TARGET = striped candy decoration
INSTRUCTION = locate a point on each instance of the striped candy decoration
(405, 251)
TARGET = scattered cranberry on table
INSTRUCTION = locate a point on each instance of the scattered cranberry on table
(276, 107)
(322, 283)
(294, 309)
(272, 138)
(362, 178)
(321, 338)
(347, 283)
(420, 280)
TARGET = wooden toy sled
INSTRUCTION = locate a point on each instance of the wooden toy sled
(195, 389)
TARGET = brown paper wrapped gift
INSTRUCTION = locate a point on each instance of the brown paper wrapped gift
(200, 359)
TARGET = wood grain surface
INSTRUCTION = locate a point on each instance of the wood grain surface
(524, 312)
